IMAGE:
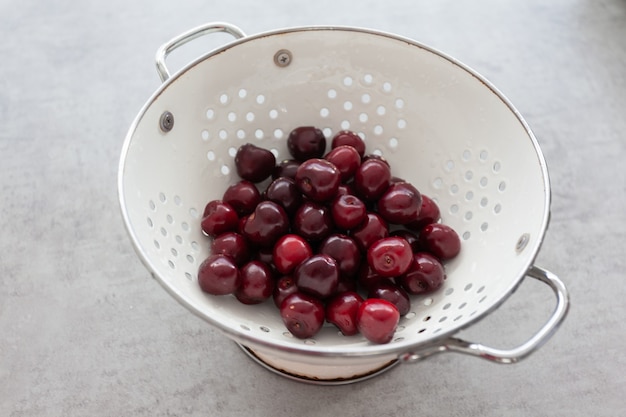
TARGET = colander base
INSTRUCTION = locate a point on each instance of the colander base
(319, 374)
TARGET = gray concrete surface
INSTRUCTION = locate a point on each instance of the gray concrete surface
(84, 330)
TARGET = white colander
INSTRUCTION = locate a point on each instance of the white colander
(439, 124)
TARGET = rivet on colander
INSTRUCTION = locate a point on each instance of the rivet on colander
(522, 242)
(167, 121)
(282, 58)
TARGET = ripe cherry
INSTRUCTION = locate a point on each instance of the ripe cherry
(392, 293)
(306, 142)
(289, 251)
(372, 229)
(284, 191)
(257, 283)
(318, 276)
(377, 320)
(346, 159)
(219, 217)
(243, 196)
(232, 244)
(425, 275)
(302, 314)
(285, 286)
(254, 163)
(318, 179)
(390, 257)
(372, 179)
(400, 204)
(348, 211)
(345, 251)
(312, 221)
(266, 224)
(286, 168)
(429, 213)
(218, 275)
(342, 311)
(347, 137)
(440, 240)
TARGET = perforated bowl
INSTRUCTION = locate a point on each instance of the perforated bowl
(440, 125)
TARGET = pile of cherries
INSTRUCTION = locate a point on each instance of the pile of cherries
(328, 236)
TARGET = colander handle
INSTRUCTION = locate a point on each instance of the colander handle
(190, 35)
(515, 354)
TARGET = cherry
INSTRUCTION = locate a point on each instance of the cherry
(243, 196)
(390, 257)
(232, 244)
(367, 277)
(392, 293)
(257, 283)
(425, 275)
(253, 163)
(372, 229)
(409, 236)
(286, 168)
(289, 252)
(400, 204)
(284, 191)
(347, 137)
(345, 251)
(342, 310)
(429, 213)
(440, 240)
(318, 276)
(306, 142)
(266, 255)
(312, 221)
(346, 284)
(219, 217)
(266, 224)
(348, 211)
(218, 275)
(346, 159)
(302, 314)
(372, 179)
(318, 179)
(377, 320)
(285, 286)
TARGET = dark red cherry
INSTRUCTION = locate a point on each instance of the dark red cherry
(285, 286)
(392, 293)
(286, 168)
(318, 276)
(390, 256)
(349, 138)
(377, 320)
(257, 283)
(306, 142)
(266, 224)
(429, 213)
(312, 221)
(372, 229)
(345, 251)
(426, 274)
(409, 236)
(284, 191)
(342, 310)
(243, 196)
(367, 277)
(219, 217)
(318, 179)
(346, 159)
(348, 211)
(372, 179)
(232, 244)
(302, 314)
(254, 163)
(218, 275)
(289, 252)
(441, 240)
(400, 204)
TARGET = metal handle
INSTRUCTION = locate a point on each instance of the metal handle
(190, 35)
(515, 354)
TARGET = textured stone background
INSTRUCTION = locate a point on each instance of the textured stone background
(84, 331)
